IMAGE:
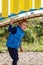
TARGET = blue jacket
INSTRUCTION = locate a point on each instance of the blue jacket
(15, 37)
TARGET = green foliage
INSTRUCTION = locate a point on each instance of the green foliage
(38, 29)
(28, 38)
(33, 35)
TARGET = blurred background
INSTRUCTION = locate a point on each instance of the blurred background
(33, 39)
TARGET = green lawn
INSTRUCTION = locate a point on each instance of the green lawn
(32, 47)
(35, 47)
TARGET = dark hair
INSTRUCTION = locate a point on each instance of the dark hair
(24, 20)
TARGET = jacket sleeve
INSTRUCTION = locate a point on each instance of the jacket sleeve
(11, 29)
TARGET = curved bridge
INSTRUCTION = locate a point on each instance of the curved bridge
(27, 15)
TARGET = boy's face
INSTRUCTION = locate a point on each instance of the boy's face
(24, 25)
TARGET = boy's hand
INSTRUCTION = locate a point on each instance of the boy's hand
(21, 49)
(12, 21)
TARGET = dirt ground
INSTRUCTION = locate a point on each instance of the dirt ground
(25, 58)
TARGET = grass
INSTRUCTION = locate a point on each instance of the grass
(35, 47)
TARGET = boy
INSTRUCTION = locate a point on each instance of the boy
(15, 38)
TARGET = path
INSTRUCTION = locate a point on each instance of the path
(25, 58)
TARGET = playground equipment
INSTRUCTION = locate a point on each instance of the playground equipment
(16, 6)
(21, 9)
(26, 15)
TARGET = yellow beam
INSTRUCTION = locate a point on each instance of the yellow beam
(4, 8)
(14, 6)
(21, 5)
(27, 5)
(37, 4)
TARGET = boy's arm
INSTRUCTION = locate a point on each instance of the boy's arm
(21, 49)
(12, 29)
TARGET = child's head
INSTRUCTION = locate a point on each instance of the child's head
(23, 24)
